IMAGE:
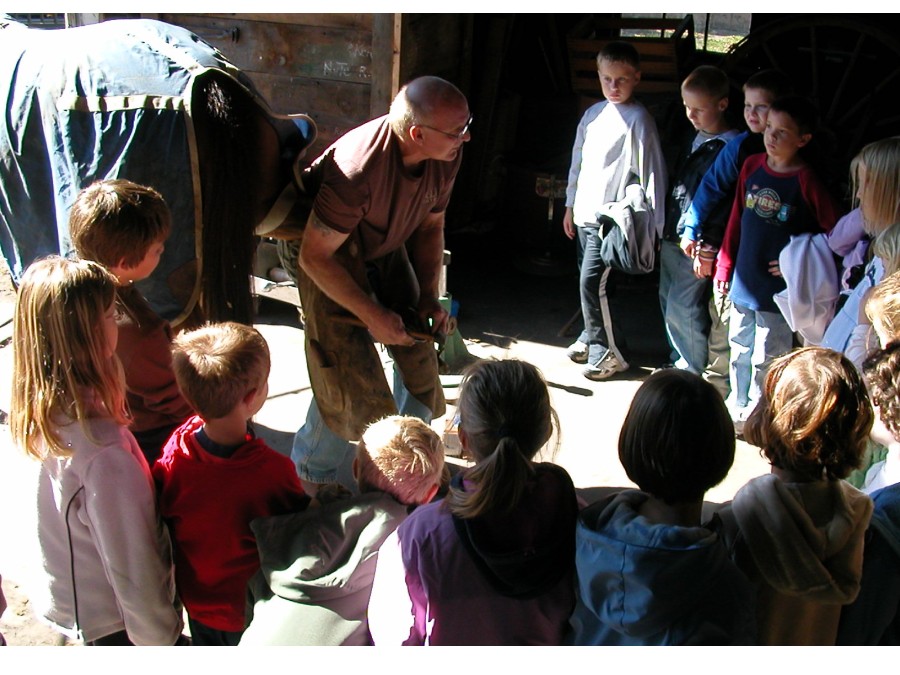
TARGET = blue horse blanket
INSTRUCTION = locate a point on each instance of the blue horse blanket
(111, 100)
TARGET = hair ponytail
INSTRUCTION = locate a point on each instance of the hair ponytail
(505, 412)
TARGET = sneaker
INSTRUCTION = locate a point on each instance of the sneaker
(606, 367)
(578, 352)
(739, 417)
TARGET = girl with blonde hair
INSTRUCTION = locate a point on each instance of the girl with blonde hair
(876, 186)
(106, 562)
(493, 562)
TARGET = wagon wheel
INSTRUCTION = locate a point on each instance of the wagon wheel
(850, 69)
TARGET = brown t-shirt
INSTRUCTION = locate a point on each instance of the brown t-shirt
(363, 184)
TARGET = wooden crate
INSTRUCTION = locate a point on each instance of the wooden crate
(664, 54)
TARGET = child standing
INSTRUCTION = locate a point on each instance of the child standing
(106, 558)
(778, 195)
(311, 592)
(684, 297)
(124, 226)
(616, 147)
(646, 550)
(876, 183)
(798, 532)
(493, 562)
(706, 217)
(214, 476)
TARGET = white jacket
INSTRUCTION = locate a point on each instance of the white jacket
(811, 275)
(97, 512)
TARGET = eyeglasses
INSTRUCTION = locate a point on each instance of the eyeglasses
(455, 137)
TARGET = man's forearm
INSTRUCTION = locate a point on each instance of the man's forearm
(427, 256)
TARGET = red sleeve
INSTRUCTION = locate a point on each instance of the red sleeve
(825, 208)
(732, 237)
(286, 490)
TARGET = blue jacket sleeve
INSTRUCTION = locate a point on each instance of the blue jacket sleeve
(717, 186)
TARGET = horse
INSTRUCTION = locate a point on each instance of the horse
(152, 103)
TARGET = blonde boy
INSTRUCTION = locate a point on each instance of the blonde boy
(778, 195)
(684, 297)
(124, 226)
(214, 477)
(616, 147)
(318, 566)
(705, 220)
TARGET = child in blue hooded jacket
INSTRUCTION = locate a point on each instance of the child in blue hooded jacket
(648, 572)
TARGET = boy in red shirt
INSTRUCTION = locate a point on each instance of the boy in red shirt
(215, 477)
(778, 196)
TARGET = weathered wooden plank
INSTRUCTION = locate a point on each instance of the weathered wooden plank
(431, 46)
(386, 40)
(356, 21)
(286, 49)
(336, 107)
(339, 100)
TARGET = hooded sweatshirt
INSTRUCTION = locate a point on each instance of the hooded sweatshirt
(316, 572)
(209, 503)
(643, 583)
(874, 618)
(499, 579)
(802, 543)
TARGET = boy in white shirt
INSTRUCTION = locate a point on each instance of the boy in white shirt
(616, 146)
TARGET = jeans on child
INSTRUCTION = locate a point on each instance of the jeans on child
(599, 332)
(756, 338)
(684, 300)
(719, 349)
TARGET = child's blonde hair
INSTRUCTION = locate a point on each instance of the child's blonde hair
(883, 306)
(708, 81)
(62, 364)
(402, 456)
(116, 221)
(880, 198)
(218, 364)
(506, 416)
(814, 415)
(886, 245)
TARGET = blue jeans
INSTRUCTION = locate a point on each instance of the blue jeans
(756, 338)
(599, 333)
(321, 456)
(684, 300)
(719, 349)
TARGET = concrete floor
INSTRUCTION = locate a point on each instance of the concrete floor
(503, 313)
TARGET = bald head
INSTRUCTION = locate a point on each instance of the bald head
(420, 100)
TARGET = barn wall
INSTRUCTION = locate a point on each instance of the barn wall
(341, 69)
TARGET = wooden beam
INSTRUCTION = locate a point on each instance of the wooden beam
(385, 62)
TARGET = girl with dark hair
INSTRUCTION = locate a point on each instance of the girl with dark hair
(648, 572)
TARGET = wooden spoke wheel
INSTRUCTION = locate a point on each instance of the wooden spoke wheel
(848, 67)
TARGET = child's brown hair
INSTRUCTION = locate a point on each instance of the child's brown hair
(814, 414)
(882, 372)
(218, 364)
(117, 221)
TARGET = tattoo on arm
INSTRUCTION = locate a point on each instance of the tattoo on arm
(321, 227)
